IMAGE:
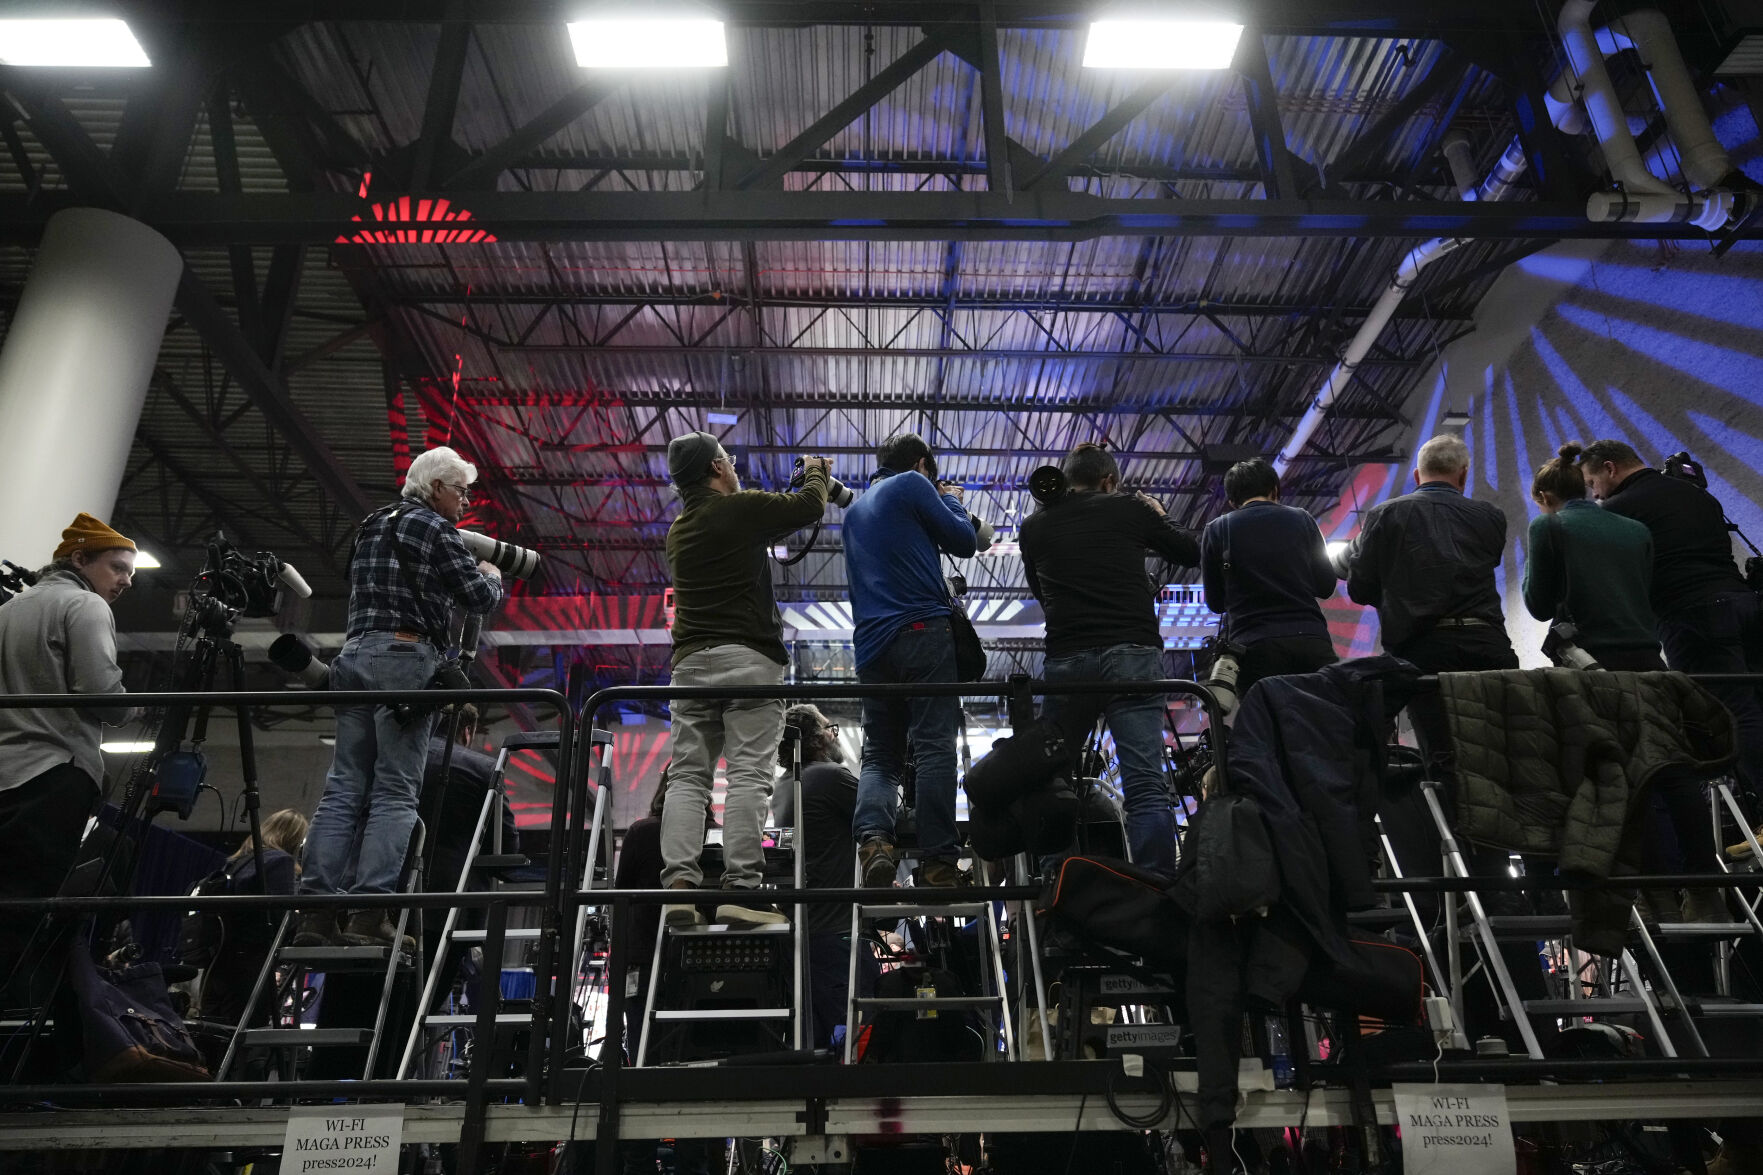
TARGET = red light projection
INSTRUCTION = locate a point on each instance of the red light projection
(421, 216)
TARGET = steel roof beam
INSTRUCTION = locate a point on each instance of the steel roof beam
(200, 218)
(1023, 353)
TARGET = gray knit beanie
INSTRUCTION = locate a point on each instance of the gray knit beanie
(689, 457)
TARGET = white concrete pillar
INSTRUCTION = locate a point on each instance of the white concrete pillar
(74, 370)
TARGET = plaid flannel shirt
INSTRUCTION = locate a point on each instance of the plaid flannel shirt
(439, 567)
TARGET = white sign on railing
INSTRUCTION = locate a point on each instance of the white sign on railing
(342, 1138)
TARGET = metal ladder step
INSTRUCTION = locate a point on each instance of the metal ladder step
(341, 958)
(311, 1037)
(666, 1014)
(500, 861)
(1703, 929)
(729, 928)
(907, 910)
(941, 1001)
(469, 1019)
(512, 933)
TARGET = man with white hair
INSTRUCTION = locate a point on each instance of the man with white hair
(1426, 562)
(407, 571)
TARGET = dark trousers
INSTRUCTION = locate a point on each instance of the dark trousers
(1282, 655)
(41, 822)
(1725, 635)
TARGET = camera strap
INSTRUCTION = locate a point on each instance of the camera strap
(1558, 532)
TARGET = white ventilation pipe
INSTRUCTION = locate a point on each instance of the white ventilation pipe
(1643, 200)
(1590, 83)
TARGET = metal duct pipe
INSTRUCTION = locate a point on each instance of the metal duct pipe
(1594, 89)
(1648, 32)
(1462, 164)
(1708, 211)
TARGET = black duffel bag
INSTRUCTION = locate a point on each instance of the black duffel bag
(1019, 763)
(1386, 981)
(1117, 905)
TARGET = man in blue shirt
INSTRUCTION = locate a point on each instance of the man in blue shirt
(1265, 566)
(895, 536)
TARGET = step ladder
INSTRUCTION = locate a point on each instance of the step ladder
(707, 949)
(509, 1015)
(286, 969)
(992, 1005)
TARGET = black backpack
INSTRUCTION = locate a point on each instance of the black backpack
(202, 933)
(940, 1034)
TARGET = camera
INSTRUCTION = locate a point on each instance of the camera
(1047, 484)
(984, 533)
(507, 558)
(1221, 679)
(1560, 647)
(13, 580)
(250, 585)
(1683, 466)
(837, 492)
(291, 653)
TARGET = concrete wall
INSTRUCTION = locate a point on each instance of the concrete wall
(1658, 345)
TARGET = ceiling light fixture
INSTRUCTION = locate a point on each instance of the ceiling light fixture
(146, 561)
(104, 43)
(125, 748)
(1161, 43)
(648, 42)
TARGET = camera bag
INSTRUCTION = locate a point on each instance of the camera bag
(1017, 764)
(1117, 905)
(931, 1034)
(131, 1031)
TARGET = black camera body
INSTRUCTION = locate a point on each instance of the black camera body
(1561, 646)
(1684, 467)
(249, 585)
(13, 580)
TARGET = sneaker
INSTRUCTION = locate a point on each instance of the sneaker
(940, 873)
(681, 917)
(318, 928)
(738, 910)
(1705, 905)
(880, 865)
(374, 928)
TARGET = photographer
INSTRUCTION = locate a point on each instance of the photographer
(1264, 566)
(1708, 618)
(1426, 562)
(895, 536)
(726, 632)
(406, 572)
(57, 637)
(1084, 555)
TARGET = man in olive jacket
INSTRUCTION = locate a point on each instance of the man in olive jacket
(726, 632)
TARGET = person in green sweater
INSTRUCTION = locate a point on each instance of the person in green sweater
(1600, 565)
(1596, 563)
(726, 632)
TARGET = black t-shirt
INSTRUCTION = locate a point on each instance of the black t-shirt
(1279, 569)
(639, 867)
(1085, 560)
(1692, 548)
(829, 800)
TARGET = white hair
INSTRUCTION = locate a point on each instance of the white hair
(1445, 455)
(441, 464)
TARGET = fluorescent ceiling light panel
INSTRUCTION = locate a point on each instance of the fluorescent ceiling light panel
(146, 562)
(104, 43)
(629, 42)
(125, 748)
(1145, 43)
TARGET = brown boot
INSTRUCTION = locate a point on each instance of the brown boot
(938, 873)
(1705, 905)
(374, 928)
(880, 864)
(318, 928)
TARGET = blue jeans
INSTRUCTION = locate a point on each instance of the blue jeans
(361, 831)
(919, 652)
(1724, 635)
(1137, 726)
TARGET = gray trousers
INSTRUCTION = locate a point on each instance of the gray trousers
(746, 732)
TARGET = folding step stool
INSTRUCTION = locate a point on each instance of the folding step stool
(508, 1017)
(295, 963)
(993, 1006)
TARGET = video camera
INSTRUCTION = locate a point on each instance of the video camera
(13, 580)
(246, 585)
(1681, 465)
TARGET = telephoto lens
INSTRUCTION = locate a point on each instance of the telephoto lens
(837, 492)
(290, 653)
(1222, 679)
(507, 558)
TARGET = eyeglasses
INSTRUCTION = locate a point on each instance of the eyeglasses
(464, 494)
(726, 460)
(831, 728)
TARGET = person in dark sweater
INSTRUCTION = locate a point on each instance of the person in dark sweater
(246, 934)
(1084, 555)
(1599, 566)
(895, 537)
(1264, 567)
(1426, 562)
(726, 632)
(1595, 563)
(829, 800)
(1708, 620)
